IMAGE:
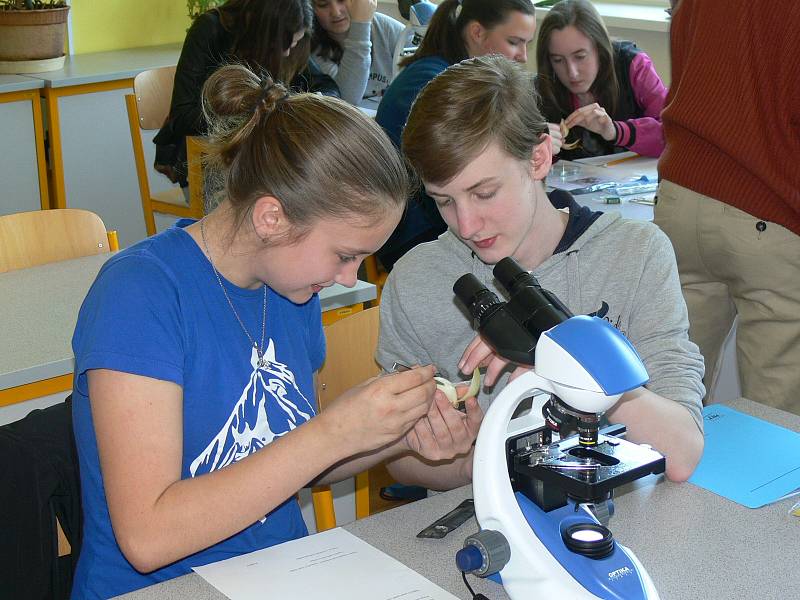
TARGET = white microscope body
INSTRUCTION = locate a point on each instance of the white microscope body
(532, 571)
(532, 495)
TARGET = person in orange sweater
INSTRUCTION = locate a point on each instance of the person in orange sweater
(729, 197)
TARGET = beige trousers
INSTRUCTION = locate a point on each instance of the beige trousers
(733, 264)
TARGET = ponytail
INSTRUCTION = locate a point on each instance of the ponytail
(445, 34)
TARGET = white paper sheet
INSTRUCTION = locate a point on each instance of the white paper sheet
(333, 564)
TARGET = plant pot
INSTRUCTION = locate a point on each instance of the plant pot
(32, 40)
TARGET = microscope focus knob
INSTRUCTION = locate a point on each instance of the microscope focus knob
(484, 553)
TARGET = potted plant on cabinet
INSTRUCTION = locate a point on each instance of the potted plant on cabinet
(32, 34)
(198, 7)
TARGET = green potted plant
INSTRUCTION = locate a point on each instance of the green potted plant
(32, 34)
(198, 7)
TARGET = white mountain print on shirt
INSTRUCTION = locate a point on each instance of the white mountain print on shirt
(249, 428)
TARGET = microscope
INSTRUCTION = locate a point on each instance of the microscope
(543, 494)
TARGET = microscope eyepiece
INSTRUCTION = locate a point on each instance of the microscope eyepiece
(513, 277)
(511, 328)
(497, 325)
(535, 307)
(476, 297)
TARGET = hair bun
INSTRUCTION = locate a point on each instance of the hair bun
(234, 91)
(235, 102)
(270, 95)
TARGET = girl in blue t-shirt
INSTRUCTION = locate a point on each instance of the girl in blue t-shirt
(194, 407)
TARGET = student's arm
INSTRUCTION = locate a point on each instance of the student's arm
(644, 135)
(159, 518)
(441, 448)
(666, 413)
(436, 453)
(446, 432)
(663, 424)
(353, 72)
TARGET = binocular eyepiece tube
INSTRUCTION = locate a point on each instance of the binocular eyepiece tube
(512, 328)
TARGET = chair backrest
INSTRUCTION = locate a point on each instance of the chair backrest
(148, 109)
(38, 237)
(153, 91)
(350, 356)
(350, 360)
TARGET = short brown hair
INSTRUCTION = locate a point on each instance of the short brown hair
(319, 156)
(467, 107)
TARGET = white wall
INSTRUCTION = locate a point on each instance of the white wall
(654, 43)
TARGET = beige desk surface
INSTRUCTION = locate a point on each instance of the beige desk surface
(694, 544)
(621, 172)
(39, 307)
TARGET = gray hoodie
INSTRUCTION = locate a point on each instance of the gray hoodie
(368, 60)
(619, 269)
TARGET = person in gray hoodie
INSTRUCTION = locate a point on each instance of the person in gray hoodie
(355, 45)
(480, 145)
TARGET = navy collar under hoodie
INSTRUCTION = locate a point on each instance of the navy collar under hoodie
(580, 218)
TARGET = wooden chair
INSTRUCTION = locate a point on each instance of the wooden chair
(148, 108)
(351, 345)
(38, 237)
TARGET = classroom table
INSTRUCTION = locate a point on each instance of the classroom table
(621, 167)
(90, 152)
(38, 314)
(693, 543)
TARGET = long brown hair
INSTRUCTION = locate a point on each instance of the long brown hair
(263, 29)
(323, 44)
(445, 34)
(582, 15)
(319, 156)
(467, 107)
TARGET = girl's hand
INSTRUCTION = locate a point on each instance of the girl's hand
(446, 432)
(556, 137)
(594, 118)
(381, 410)
(361, 11)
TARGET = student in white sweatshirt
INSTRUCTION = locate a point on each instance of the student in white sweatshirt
(480, 145)
(354, 44)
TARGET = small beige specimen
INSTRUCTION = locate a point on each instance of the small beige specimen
(449, 389)
(564, 134)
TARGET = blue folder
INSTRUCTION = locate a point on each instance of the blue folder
(747, 460)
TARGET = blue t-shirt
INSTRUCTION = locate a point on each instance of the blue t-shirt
(396, 103)
(157, 310)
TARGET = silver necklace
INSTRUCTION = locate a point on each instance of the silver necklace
(259, 349)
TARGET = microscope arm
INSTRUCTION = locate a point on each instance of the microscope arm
(496, 507)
